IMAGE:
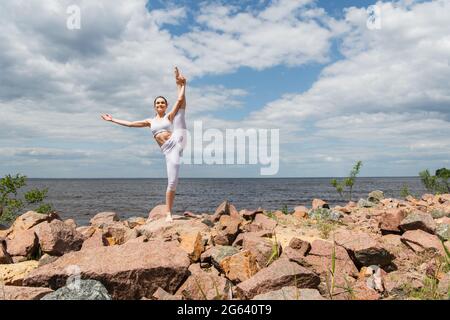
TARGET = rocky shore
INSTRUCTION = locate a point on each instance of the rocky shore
(378, 248)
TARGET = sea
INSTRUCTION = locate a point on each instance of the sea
(81, 199)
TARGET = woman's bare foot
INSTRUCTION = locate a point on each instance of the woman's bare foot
(169, 217)
(191, 215)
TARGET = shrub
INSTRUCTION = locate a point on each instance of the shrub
(347, 182)
(438, 183)
(11, 204)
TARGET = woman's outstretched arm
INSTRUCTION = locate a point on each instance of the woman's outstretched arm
(134, 124)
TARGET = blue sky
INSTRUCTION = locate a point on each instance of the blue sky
(337, 90)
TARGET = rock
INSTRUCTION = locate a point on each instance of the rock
(376, 196)
(57, 238)
(161, 294)
(303, 247)
(290, 293)
(263, 222)
(134, 222)
(437, 214)
(23, 243)
(80, 290)
(250, 214)
(17, 259)
(104, 218)
(202, 285)
(320, 260)
(324, 214)
(71, 223)
(192, 243)
(295, 256)
(96, 240)
(396, 282)
(279, 274)
(86, 231)
(152, 264)
(363, 203)
(216, 254)
(222, 209)
(118, 233)
(362, 292)
(31, 219)
(261, 248)
(319, 203)
(46, 259)
(5, 258)
(13, 274)
(444, 285)
(418, 220)
(23, 293)
(419, 240)
(443, 231)
(227, 230)
(391, 220)
(363, 249)
(240, 266)
(157, 213)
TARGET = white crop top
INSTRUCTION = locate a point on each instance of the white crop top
(159, 125)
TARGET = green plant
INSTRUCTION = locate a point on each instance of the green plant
(438, 183)
(348, 182)
(325, 227)
(285, 210)
(275, 250)
(11, 204)
(404, 192)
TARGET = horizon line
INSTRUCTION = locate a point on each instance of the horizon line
(321, 177)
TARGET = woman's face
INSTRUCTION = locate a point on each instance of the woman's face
(160, 105)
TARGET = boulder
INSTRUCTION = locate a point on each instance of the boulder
(104, 218)
(161, 294)
(226, 230)
(250, 214)
(129, 271)
(290, 293)
(86, 231)
(240, 266)
(261, 248)
(23, 293)
(46, 259)
(263, 222)
(204, 285)
(324, 214)
(30, 219)
(376, 196)
(363, 249)
(5, 258)
(157, 213)
(13, 274)
(134, 222)
(192, 244)
(303, 247)
(419, 240)
(22, 243)
(222, 209)
(118, 233)
(80, 290)
(418, 220)
(96, 240)
(279, 274)
(71, 222)
(58, 238)
(216, 254)
(391, 219)
(363, 203)
(443, 231)
(319, 203)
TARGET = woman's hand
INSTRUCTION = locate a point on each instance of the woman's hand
(179, 78)
(107, 117)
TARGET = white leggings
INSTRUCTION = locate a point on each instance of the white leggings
(173, 149)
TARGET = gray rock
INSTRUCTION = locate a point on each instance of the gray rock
(418, 220)
(324, 214)
(436, 214)
(376, 196)
(80, 290)
(443, 231)
(363, 203)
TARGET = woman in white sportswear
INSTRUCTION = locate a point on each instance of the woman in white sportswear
(169, 131)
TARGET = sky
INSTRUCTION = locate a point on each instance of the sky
(337, 89)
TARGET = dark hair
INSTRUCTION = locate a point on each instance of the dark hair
(154, 102)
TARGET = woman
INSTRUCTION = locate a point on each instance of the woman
(169, 131)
